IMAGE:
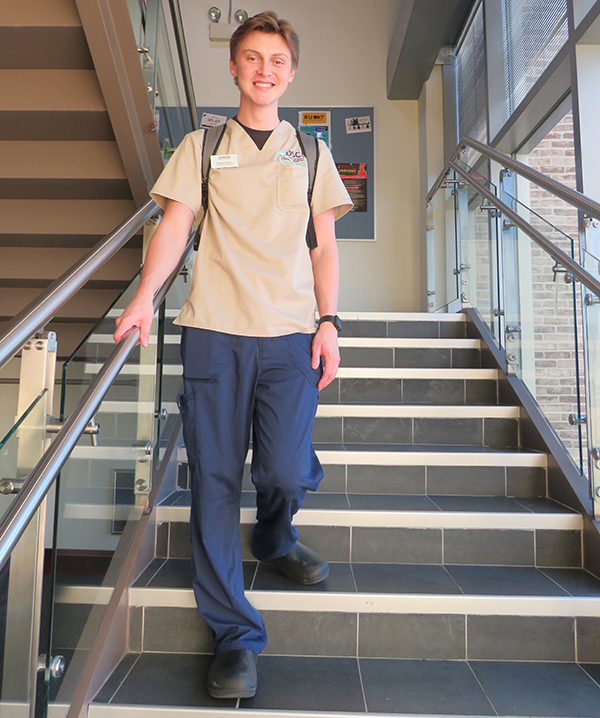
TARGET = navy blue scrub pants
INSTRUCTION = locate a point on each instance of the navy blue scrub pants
(233, 383)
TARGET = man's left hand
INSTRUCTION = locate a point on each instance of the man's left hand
(325, 344)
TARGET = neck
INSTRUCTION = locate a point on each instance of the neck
(258, 118)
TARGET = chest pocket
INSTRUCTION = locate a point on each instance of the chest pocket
(292, 187)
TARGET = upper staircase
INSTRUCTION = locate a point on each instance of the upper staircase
(63, 183)
(457, 584)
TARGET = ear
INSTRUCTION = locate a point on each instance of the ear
(232, 68)
(291, 77)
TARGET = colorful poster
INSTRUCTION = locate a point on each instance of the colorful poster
(354, 177)
(317, 124)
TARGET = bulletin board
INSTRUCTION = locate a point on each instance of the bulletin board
(352, 145)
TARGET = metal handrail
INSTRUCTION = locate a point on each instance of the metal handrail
(571, 196)
(39, 312)
(16, 519)
(555, 252)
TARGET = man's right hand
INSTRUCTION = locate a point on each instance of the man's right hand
(138, 313)
(165, 249)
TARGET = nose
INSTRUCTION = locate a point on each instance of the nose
(263, 69)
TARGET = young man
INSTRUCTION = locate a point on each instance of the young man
(251, 357)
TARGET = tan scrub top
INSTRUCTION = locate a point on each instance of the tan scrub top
(253, 274)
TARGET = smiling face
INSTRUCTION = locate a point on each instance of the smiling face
(263, 68)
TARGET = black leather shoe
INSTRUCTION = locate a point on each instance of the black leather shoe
(233, 675)
(302, 565)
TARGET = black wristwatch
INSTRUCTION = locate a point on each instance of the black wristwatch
(335, 320)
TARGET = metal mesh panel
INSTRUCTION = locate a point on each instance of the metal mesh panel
(534, 31)
(472, 81)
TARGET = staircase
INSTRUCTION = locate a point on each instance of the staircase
(456, 584)
(63, 184)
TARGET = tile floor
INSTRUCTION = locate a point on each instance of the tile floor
(406, 687)
(398, 578)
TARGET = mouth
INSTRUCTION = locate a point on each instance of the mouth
(264, 85)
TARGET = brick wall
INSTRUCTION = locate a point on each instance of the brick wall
(555, 354)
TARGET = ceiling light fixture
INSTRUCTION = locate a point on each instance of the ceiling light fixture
(221, 31)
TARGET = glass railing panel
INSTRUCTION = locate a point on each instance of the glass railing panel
(102, 491)
(162, 74)
(591, 315)
(170, 359)
(544, 326)
(170, 108)
(21, 448)
(9, 394)
(21, 576)
(478, 241)
(442, 280)
(136, 13)
(94, 349)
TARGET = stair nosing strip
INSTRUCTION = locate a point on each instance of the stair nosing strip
(358, 458)
(370, 316)
(500, 605)
(407, 519)
(416, 458)
(425, 458)
(375, 411)
(346, 342)
(106, 710)
(425, 411)
(402, 317)
(343, 373)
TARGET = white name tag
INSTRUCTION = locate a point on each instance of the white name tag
(217, 161)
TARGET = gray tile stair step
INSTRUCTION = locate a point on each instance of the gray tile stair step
(395, 578)
(410, 529)
(385, 325)
(494, 427)
(425, 470)
(495, 432)
(353, 686)
(390, 505)
(416, 612)
(354, 352)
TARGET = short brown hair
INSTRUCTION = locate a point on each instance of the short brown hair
(266, 22)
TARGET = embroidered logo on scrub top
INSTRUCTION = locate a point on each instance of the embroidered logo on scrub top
(292, 157)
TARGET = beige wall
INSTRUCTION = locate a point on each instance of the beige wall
(343, 54)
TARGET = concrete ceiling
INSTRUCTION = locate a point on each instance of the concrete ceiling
(422, 29)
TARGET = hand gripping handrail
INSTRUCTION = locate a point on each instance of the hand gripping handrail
(571, 196)
(39, 312)
(39, 482)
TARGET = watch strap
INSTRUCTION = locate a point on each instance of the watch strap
(334, 319)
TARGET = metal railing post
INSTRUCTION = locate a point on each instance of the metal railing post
(26, 572)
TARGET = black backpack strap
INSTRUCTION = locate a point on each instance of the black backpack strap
(210, 144)
(310, 149)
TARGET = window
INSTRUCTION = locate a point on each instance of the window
(534, 31)
(472, 81)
